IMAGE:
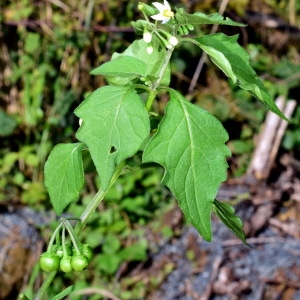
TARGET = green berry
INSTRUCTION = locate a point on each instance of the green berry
(79, 262)
(65, 264)
(49, 262)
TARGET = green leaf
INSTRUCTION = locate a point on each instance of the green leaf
(124, 67)
(190, 145)
(154, 61)
(108, 262)
(135, 252)
(233, 60)
(199, 18)
(64, 176)
(7, 124)
(139, 26)
(112, 244)
(115, 124)
(32, 42)
(64, 293)
(225, 213)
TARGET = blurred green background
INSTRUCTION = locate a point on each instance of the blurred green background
(48, 48)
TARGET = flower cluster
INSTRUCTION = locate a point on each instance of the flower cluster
(164, 15)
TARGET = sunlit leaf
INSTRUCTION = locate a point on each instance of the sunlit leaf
(199, 18)
(115, 124)
(233, 60)
(153, 61)
(126, 66)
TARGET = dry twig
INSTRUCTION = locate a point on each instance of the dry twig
(269, 140)
(214, 274)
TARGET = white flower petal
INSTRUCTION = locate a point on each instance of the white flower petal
(159, 6)
(165, 12)
(167, 5)
(165, 20)
(159, 17)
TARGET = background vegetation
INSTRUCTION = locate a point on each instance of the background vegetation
(48, 48)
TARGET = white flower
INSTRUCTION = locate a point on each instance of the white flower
(165, 12)
(80, 122)
(147, 37)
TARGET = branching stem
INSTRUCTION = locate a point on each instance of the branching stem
(157, 83)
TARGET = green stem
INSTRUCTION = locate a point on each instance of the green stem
(63, 239)
(150, 100)
(53, 237)
(75, 241)
(43, 289)
(163, 68)
(22, 296)
(96, 200)
(157, 83)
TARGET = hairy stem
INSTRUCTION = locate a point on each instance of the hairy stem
(163, 68)
(156, 84)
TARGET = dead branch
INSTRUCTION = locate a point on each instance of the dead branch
(269, 141)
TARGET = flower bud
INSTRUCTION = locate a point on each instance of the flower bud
(166, 43)
(180, 30)
(184, 30)
(190, 27)
(140, 6)
(147, 36)
(150, 49)
(147, 9)
(173, 40)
